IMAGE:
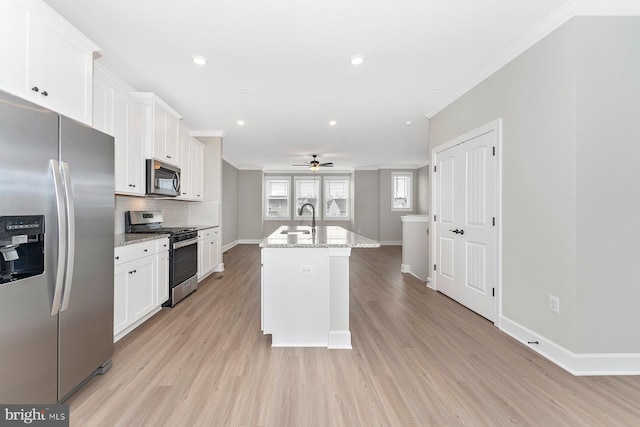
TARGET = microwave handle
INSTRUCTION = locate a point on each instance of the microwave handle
(176, 182)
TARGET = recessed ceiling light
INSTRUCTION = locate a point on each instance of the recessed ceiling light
(199, 60)
(240, 122)
(332, 123)
(357, 60)
(408, 123)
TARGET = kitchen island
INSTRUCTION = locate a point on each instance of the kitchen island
(305, 285)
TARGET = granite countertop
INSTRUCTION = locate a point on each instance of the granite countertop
(133, 238)
(324, 237)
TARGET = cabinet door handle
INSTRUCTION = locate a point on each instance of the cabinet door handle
(117, 257)
(133, 271)
(35, 89)
(44, 93)
(168, 157)
(146, 250)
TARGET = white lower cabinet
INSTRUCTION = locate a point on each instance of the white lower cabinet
(208, 252)
(162, 261)
(141, 283)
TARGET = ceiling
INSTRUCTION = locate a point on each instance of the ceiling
(283, 67)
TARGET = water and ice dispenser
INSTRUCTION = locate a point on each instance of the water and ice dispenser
(21, 247)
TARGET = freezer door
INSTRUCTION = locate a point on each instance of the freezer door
(28, 332)
(86, 317)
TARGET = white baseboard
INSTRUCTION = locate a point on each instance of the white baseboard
(430, 283)
(391, 243)
(230, 246)
(579, 364)
(339, 340)
(406, 268)
(240, 242)
(249, 241)
(219, 268)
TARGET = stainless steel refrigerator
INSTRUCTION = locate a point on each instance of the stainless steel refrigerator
(56, 253)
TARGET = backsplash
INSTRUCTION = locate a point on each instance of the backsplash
(175, 212)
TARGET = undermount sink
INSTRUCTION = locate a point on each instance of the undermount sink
(295, 232)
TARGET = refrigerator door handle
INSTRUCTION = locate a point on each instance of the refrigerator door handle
(62, 232)
(71, 235)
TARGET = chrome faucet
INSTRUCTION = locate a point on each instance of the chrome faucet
(313, 212)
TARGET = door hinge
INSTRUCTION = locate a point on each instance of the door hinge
(494, 151)
(435, 168)
(493, 292)
(494, 221)
(434, 218)
(435, 267)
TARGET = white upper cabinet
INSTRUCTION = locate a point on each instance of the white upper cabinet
(121, 115)
(197, 170)
(191, 168)
(162, 125)
(102, 102)
(45, 59)
(128, 130)
(15, 16)
(185, 166)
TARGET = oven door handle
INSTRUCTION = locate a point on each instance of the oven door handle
(182, 244)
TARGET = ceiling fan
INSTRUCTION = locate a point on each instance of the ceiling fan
(314, 164)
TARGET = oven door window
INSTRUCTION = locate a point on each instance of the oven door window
(185, 263)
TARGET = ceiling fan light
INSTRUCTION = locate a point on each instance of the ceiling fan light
(314, 168)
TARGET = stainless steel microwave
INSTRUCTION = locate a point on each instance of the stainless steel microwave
(162, 179)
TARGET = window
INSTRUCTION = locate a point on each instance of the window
(337, 200)
(277, 191)
(401, 191)
(307, 190)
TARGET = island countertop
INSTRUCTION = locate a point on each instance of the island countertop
(324, 237)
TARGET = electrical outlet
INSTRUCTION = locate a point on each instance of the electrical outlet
(554, 304)
(306, 269)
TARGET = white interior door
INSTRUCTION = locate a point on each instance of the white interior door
(465, 210)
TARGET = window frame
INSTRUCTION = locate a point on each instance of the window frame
(268, 179)
(307, 212)
(349, 201)
(405, 174)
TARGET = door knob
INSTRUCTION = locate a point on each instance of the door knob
(457, 231)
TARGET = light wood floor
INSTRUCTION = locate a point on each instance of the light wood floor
(418, 359)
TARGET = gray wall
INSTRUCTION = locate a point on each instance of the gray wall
(608, 175)
(424, 191)
(372, 215)
(390, 224)
(229, 203)
(367, 203)
(561, 102)
(250, 205)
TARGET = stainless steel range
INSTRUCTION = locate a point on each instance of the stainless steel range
(183, 251)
